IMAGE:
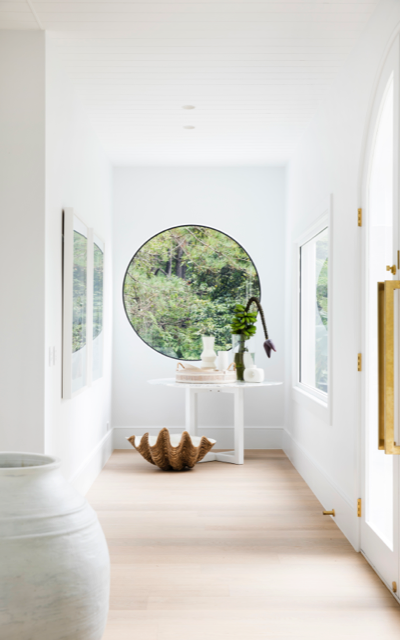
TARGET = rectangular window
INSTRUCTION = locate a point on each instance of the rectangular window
(313, 338)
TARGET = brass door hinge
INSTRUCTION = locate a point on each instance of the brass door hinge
(392, 268)
(359, 508)
(394, 587)
(359, 362)
(359, 217)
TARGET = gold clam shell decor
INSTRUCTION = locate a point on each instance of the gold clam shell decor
(175, 451)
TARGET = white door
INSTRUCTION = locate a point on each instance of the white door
(380, 483)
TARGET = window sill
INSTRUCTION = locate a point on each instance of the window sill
(318, 407)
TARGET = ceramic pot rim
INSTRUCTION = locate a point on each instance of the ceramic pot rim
(17, 462)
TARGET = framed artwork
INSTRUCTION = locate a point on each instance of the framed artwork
(83, 267)
(97, 322)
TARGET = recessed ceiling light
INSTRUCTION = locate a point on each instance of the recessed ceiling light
(188, 106)
(189, 126)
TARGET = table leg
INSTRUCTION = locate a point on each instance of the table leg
(239, 426)
(191, 420)
(191, 412)
(236, 456)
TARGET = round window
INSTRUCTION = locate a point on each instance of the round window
(184, 283)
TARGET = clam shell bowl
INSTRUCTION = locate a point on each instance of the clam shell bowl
(175, 451)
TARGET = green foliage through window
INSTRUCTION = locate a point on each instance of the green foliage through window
(321, 347)
(314, 316)
(184, 283)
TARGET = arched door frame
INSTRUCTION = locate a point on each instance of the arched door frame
(390, 59)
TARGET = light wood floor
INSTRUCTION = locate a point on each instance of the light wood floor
(231, 552)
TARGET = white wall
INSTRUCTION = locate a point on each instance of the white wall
(50, 158)
(249, 205)
(329, 161)
(22, 240)
(78, 175)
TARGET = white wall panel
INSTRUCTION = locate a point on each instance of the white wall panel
(78, 175)
(22, 240)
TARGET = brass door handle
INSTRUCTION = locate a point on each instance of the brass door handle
(392, 268)
(386, 379)
(381, 360)
(329, 513)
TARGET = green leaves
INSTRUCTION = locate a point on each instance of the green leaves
(184, 283)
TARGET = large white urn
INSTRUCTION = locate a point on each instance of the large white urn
(54, 561)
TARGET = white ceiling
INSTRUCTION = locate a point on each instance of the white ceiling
(255, 71)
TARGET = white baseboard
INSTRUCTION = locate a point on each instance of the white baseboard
(254, 437)
(87, 473)
(324, 488)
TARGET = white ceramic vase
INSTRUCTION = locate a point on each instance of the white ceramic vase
(208, 355)
(54, 561)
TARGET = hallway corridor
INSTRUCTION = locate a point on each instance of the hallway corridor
(231, 552)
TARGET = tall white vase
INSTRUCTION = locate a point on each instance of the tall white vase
(54, 561)
(208, 355)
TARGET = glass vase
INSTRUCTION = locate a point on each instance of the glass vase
(240, 346)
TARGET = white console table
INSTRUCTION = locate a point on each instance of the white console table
(236, 388)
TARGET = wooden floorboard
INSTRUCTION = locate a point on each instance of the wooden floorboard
(231, 552)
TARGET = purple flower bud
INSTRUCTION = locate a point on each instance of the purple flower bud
(269, 346)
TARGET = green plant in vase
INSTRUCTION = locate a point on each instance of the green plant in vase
(243, 325)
